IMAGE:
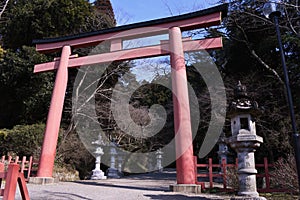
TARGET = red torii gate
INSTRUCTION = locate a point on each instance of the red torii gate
(175, 48)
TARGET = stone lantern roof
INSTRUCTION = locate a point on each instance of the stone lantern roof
(242, 103)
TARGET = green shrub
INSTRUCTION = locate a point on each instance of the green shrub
(27, 140)
(22, 140)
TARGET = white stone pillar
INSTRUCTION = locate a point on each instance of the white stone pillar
(112, 172)
(98, 174)
(120, 162)
(159, 166)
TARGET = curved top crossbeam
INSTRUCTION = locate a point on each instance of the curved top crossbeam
(203, 18)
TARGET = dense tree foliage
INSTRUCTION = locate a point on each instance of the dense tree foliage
(26, 96)
(28, 20)
(251, 55)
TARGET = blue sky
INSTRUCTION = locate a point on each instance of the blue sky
(131, 11)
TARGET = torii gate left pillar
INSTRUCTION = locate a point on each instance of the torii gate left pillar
(54, 116)
(175, 48)
(48, 152)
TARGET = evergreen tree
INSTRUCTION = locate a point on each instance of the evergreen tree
(35, 19)
(27, 95)
(105, 10)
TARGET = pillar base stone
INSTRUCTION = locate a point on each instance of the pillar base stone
(98, 175)
(186, 188)
(113, 173)
(43, 180)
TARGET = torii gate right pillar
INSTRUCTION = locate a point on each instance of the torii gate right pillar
(183, 132)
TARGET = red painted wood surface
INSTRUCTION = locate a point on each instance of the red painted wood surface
(182, 122)
(25, 165)
(2, 176)
(47, 157)
(187, 24)
(143, 52)
(13, 178)
(23, 188)
(11, 182)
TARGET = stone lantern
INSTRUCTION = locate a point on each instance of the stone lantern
(159, 155)
(98, 174)
(222, 153)
(120, 162)
(244, 140)
(223, 149)
(112, 171)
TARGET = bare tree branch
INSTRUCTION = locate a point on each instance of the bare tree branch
(266, 66)
(168, 7)
(3, 7)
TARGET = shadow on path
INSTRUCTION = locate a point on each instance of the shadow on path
(174, 197)
(50, 195)
(110, 185)
(166, 175)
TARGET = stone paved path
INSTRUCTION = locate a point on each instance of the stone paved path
(151, 186)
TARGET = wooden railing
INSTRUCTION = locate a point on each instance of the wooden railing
(12, 178)
(26, 166)
(220, 171)
(209, 173)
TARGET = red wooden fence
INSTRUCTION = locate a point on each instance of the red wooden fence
(221, 171)
(25, 165)
(210, 175)
(12, 177)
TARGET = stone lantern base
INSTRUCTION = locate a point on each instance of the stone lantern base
(113, 173)
(98, 175)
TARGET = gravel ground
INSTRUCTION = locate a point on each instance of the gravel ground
(151, 186)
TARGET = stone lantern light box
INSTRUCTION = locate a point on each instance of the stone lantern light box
(241, 123)
(242, 113)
